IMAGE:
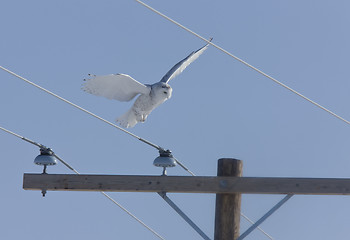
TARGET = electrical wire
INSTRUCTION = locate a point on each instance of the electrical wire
(92, 114)
(14, 134)
(184, 167)
(133, 216)
(82, 109)
(245, 63)
(112, 200)
(102, 119)
(261, 230)
(144, 140)
(107, 196)
(71, 168)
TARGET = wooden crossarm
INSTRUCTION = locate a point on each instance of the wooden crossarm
(187, 184)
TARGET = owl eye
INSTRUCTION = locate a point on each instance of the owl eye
(163, 86)
(165, 92)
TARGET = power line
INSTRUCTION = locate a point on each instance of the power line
(107, 196)
(133, 216)
(71, 168)
(133, 135)
(82, 109)
(245, 63)
(141, 139)
(184, 167)
(92, 114)
(102, 119)
(96, 116)
(261, 230)
(14, 134)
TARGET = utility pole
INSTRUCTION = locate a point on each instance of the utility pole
(228, 186)
(228, 206)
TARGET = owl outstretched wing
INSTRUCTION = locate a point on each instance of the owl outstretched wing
(180, 66)
(120, 87)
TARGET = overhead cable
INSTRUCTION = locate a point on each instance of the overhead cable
(259, 228)
(71, 168)
(92, 114)
(245, 63)
(82, 109)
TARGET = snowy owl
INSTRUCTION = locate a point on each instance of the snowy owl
(122, 87)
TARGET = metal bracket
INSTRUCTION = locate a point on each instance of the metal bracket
(263, 218)
(183, 215)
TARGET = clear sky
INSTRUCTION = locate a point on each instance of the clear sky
(220, 108)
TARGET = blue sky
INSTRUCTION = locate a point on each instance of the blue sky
(220, 108)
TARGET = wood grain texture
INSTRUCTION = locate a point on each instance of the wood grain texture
(228, 205)
(187, 184)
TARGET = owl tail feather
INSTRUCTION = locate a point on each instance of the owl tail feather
(127, 120)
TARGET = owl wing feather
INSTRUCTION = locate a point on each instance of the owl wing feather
(180, 66)
(120, 87)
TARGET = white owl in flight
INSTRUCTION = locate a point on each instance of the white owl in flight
(122, 87)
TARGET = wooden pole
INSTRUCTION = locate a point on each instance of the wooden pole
(228, 206)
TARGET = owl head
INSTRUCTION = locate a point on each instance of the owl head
(161, 90)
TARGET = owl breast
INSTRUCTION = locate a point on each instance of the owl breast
(145, 104)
